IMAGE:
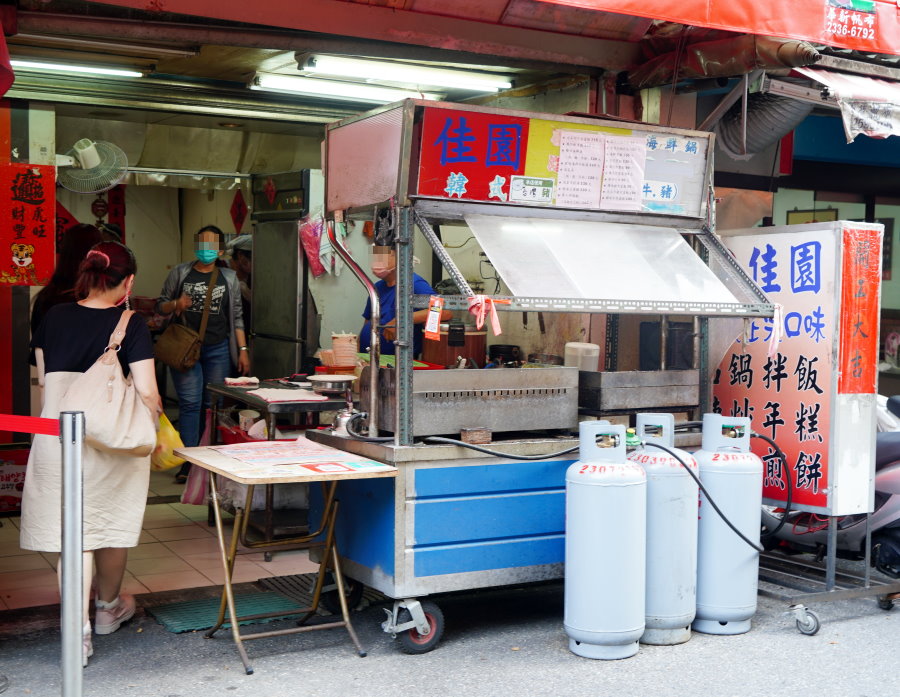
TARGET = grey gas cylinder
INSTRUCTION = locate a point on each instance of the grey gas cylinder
(727, 567)
(671, 595)
(606, 498)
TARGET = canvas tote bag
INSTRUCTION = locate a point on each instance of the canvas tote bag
(179, 345)
(116, 420)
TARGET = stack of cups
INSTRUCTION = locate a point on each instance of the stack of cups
(344, 349)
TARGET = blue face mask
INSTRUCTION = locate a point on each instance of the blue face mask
(207, 256)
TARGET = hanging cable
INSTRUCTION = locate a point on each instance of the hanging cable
(712, 503)
(496, 453)
(787, 479)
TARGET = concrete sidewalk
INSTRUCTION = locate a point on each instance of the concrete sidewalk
(497, 642)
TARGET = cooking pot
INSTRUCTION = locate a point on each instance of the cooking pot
(504, 353)
(331, 384)
(545, 359)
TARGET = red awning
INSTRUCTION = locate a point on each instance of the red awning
(863, 25)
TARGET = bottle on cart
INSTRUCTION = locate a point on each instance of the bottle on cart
(727, 567)
(671, 599)
(606, 499)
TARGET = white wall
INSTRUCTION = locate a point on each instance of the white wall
(209, 207)
(152, 230)
(795, 199)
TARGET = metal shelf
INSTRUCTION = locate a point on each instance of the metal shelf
(632, 307)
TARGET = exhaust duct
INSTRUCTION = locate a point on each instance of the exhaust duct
(723, 58)
(769, 118)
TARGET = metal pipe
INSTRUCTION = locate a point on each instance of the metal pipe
(663, 341)
(744, 97)
(727, 102)
(441, 253)
(831, 553)
(374, 321)
(71, 436)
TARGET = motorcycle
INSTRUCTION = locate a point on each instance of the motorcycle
(808, 532)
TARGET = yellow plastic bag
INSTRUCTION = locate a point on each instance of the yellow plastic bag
(167, 439)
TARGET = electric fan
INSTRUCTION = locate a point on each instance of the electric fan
(91, 166)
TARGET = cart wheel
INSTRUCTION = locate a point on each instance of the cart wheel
(810, 624)
(267, 556)
(413, 642)
(353, 591)
(885, 602)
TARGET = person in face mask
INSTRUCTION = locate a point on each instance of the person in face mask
(224, 342)
(384, 266)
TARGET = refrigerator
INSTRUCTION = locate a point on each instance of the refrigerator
(284, 321)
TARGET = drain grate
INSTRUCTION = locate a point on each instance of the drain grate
(299, 588)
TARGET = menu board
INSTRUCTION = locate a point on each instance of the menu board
(623, 174)
(507, 158)
(580, 170)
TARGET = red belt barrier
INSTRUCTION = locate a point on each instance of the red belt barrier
(29, 424)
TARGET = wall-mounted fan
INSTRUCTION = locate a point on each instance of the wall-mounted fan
(91, 166)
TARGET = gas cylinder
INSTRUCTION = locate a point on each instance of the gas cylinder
(671, 597)
(606, 499)
(727, 567)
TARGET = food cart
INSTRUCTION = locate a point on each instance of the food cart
(578, 215)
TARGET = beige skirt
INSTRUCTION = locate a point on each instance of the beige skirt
(115, 488)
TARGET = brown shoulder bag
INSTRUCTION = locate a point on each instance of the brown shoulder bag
(179, 345)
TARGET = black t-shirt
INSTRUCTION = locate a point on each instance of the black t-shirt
(194, 286)
(73, 337)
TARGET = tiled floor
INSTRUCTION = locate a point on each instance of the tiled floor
(177, 550)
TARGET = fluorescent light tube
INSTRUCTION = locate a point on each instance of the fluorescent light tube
(338, 90)
(64, 68)
(405, 73)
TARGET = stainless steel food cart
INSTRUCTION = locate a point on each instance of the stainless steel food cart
(586, 199)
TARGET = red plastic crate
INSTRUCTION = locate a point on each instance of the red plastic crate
(229, 435)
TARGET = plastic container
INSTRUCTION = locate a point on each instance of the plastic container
(344, 347)
(582, 356)
(335, 370)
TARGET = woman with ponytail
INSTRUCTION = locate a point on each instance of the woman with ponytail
(75, 244)
(68, 341)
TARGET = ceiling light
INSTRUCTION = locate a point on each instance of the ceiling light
(93, 44)
(352, 91)
(404, 73)
(38, 66)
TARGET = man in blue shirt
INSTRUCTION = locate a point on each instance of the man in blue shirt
(384, 266)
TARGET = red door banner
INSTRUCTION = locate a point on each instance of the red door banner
(27, 223)
(860, 301)
(64, 220)
(116, 214)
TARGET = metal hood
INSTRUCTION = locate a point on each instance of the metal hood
(192, 156)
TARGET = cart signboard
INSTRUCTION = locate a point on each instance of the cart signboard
(501, 157)
(813, 392)
(460, 153)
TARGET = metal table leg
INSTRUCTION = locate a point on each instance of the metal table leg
(330, 556)
(227, 566)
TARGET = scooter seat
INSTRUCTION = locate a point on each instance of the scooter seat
(893, 405)
(887, 449)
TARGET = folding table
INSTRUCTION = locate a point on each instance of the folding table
(283, 462)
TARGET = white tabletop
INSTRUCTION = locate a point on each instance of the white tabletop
(282, 462)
